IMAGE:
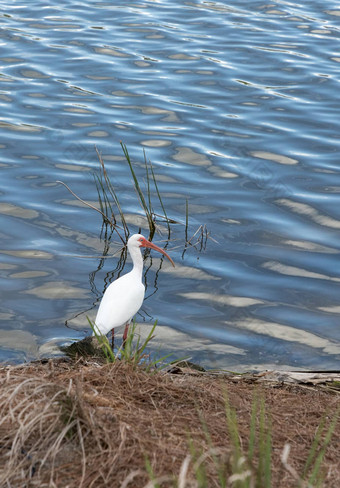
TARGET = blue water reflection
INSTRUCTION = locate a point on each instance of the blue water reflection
(237, 108)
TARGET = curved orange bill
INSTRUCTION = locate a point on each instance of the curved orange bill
(147, 243)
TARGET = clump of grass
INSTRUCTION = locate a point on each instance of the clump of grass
(133, 350)
(312, 468)
(236, 467)
(103, 342)
(313, 474)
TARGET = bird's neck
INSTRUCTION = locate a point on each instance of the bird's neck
(137, 261)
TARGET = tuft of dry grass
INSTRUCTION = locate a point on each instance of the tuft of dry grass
(87, 424)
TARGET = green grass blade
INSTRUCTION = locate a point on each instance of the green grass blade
(140, 194)
(106, 191)
(135, 353)
(147, 182)
(117, 204)
(149, 337)
(318, 461)
(160, 199)
(314, 447)
(135, 179)
(199, 469)
(150, 471)
(157, 361)
(104, 202)
(220, 469)
(261, 463)
(103, 342)
(232, 426)
(268, 459)
(252, 432)
(264, 466)
(186, 220)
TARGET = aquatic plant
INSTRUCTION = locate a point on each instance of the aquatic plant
(110, 206)
(148, 197)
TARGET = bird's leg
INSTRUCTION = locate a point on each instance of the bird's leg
(112, 339)
(126, 330)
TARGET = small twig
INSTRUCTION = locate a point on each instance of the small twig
(85, 203)
(131, 477)
(203, 237)
(182, 478)
(290, 469)
(167, 219)
(194, 235)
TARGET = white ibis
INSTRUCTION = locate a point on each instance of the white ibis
(124, 297)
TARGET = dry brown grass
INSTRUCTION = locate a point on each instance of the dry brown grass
(85, 424)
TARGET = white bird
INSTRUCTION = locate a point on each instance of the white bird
(124, 297)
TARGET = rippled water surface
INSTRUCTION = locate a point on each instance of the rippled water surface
(236, 104)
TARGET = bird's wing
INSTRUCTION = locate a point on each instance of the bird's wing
(121, 301)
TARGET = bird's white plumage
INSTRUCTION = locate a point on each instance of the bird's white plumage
(121, 301)
(124, 297)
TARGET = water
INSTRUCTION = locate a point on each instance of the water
(236, 104)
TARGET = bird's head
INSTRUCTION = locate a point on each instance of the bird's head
(137, 240)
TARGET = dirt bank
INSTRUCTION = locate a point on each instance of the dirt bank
(83, 423)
